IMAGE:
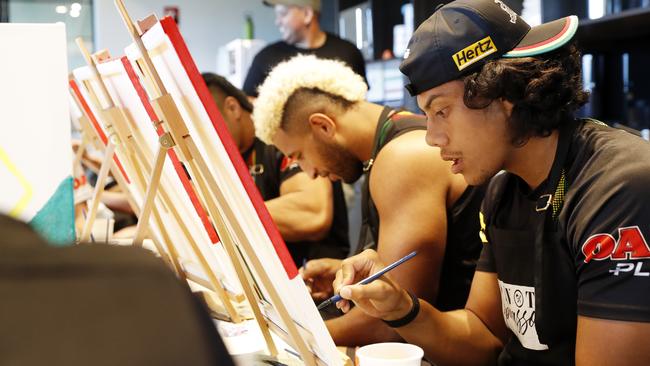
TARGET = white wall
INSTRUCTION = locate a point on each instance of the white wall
(205, 25)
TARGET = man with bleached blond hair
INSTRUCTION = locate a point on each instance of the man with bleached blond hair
(315, 112)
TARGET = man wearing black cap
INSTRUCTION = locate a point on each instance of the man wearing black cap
(564, 277)
(298, 23)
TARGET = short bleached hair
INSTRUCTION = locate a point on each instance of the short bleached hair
(302, 71)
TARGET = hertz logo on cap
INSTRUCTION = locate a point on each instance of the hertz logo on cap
(474, 52)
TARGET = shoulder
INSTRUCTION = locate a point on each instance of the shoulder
(408, 163)
(607, 160)
(272, 51)
(341, 44)
(608, 182)
(334, 39)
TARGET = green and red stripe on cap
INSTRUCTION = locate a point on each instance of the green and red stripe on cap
(546, 37)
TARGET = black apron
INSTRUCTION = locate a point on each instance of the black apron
(553, 275)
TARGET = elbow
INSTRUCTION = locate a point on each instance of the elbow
(318, 226)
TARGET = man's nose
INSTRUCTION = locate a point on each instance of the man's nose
(435, 136)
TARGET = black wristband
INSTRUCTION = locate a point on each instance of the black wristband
(415, 309)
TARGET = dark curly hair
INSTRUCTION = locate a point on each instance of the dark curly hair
(545, 90)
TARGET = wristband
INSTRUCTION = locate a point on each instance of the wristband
(406, 319)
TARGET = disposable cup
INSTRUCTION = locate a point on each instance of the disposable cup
(389, 354)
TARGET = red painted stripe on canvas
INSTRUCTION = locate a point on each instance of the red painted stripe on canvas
(172, 154)
(98, 128)
(171, 29)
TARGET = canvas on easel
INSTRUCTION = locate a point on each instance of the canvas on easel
(119, 163)
(179, 220)
(124, 85)
(287, 305)
(35, 151)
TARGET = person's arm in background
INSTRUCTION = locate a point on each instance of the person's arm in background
(409, 185)
(116, 200)
(304, 210)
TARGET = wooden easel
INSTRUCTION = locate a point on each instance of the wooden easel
(222, 214)
(139, 160)
(111, 116)
(96, 140)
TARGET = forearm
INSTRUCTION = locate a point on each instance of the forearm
(116, 201)
(298, 220)
(356, 328)
(456, 337)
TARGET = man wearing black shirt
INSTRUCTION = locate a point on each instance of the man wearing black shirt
(564, 277)
(311, 215)
(315, 111)
(298, 22)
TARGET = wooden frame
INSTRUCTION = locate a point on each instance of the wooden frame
(182, 101)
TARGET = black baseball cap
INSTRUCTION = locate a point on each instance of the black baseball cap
(461, 36)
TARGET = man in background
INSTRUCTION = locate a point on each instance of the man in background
(298, 23)
(563, 277)
(310, 214)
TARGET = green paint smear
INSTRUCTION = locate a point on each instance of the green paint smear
(55, 221)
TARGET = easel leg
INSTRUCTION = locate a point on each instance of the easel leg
(165, 249)
(99, 189)
(151, 193)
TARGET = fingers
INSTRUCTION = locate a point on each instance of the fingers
(320, 267)
(376, 290)
(359, 267)
(378, 299)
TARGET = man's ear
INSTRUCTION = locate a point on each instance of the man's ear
(309, 15)
(507, 107)
(232, 107)
(323, 125)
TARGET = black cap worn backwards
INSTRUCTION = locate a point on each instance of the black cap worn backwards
(462, 35)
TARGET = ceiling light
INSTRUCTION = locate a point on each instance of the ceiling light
(61, 9)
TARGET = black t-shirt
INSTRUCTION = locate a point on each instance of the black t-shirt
(463, 244)
(271, 55)
(603, 223)
(269, 168)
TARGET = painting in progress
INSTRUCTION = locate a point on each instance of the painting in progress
(35, 147)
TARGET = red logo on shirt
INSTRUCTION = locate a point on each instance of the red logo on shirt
(287, 162)
(630, 245)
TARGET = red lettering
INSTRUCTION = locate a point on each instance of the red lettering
(598, 247)
(631, 244)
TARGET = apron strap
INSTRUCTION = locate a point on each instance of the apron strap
(548, 309)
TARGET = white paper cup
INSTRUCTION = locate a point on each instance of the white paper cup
(389, 354)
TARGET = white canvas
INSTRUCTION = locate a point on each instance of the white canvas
(294, 294)
(35, 150)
